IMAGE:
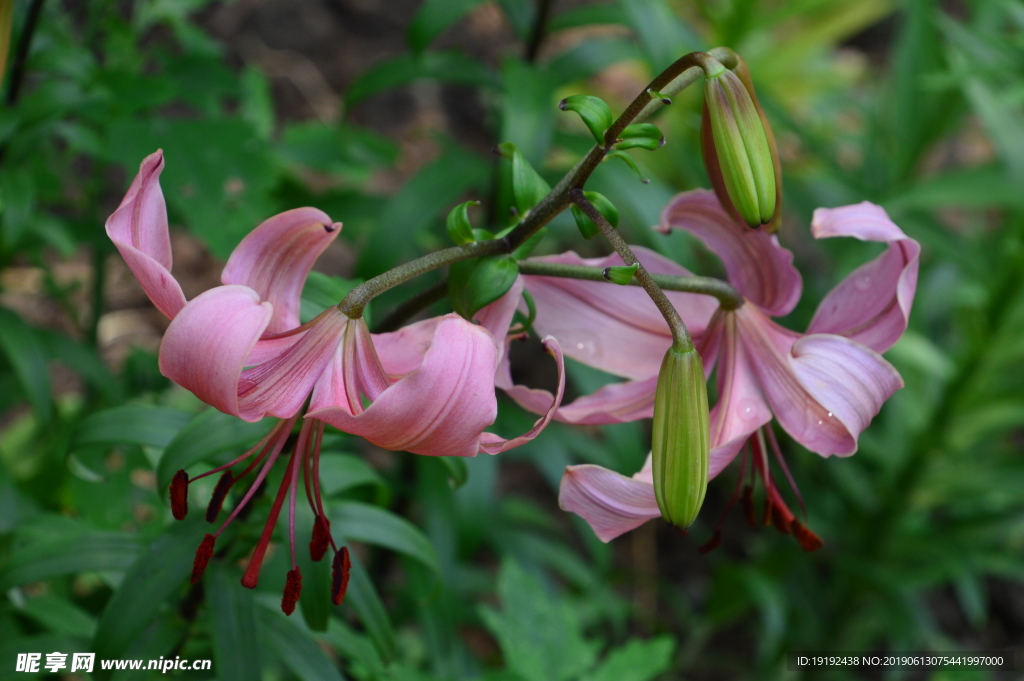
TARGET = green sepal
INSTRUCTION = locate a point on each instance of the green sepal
(643, 135)
(478, 282)
(594, 112)
(665, 99)
(459, 227)
(605, 207)
(628, 160)
(528, 187)
(620, 274)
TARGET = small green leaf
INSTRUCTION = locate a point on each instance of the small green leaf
(586, 226)
(643, 135)
(475, 283)
(233, 624)
(208, 433)
(140, 425)
(371, 524)
(459, 227)
(594, 112)
(665, 99)
(295, 647)
(59, 615)
(620, 275)
(628, 160)
(528, 186)
(605, 207)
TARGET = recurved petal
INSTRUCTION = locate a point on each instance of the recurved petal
(495, 444)
(611, 503)
(613, 403)
(439, 409)
(206, 345)
(755, 263)
(824, 389)
(741, 408)
(614, 328)
(872, 304)
(276, 257)
(139, 230)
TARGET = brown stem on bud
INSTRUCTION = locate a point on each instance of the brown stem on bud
(179, 495)
(203, 555)
(220, 492)
(292, 590)
(340, 572)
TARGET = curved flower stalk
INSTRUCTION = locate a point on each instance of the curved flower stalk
(240, 348)
(823, 386)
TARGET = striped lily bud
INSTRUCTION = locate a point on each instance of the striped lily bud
(681, 438)
(739, 157)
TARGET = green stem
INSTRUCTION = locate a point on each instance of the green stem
(357, 299)
(727, 296)
(682, 73)
(681, 341)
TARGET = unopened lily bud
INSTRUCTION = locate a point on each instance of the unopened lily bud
(681, 438)
(737, 152)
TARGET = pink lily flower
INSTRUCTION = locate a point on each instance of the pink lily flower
(823, 386)
(240, 348)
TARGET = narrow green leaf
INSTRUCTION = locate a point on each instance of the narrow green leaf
(628, 160)
(60, 615)
(621, 275)
(594, 112)
(162, 570)
(354, 646)
(207, 434)
(528, 187)
(141, 425)
(478, 282)
(605, 207)
(83, 361)
(362, 597)
(457, 471)
(460, 229)
(362, 522)
(25, 353)
(62, 555)
(233, 624)
(433, 17)
(294, 647)
(590, 57)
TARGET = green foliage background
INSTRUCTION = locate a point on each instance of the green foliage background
(470, 572)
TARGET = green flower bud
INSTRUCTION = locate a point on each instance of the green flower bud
(737, 152)
(681, 439)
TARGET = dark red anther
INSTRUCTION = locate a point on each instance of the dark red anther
(321, 535)
(179, 495)
(220, 492)
(203, 555)
(747, 499)
(340, 571)
(292, 589)
(808, 540)
(711, 544)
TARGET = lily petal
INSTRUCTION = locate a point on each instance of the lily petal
(823, 392)
(495, 444)
(611, 503)
(741, 408)
(276, 257)
(755, 263)
(872, 305)
(614, 328)
(139, 230)
(210, 342)
(439, 409)
(613, 403)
